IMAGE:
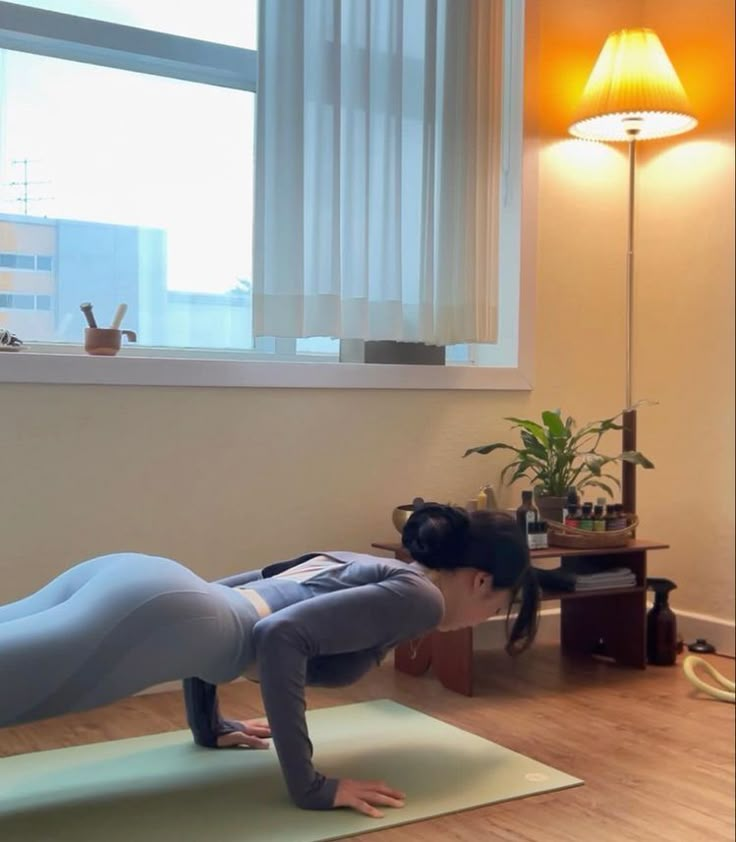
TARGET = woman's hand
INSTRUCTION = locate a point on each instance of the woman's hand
(254, 734)
(362, 795)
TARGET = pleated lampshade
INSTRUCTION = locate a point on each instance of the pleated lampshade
(633, 92)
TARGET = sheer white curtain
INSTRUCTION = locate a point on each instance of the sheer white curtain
(377, 169)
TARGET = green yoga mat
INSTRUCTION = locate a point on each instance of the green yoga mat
(162, 787)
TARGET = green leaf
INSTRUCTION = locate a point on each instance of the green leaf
(597, 484)
(533, 445)
(554, 424)
(520, 466)
(612, 478)
(489, 448)
(512, 466)
(532, 427)
(598, 428)
(518, 474)
(608, 424)
(642, 402)
(593, 463)
(636, 458)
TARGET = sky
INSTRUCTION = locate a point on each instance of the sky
(128, 148)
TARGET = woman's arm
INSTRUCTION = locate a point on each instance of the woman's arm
(200, 697)
(341, 670)
(203, 713)
(360, 618)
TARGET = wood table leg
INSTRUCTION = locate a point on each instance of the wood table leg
(452, 660)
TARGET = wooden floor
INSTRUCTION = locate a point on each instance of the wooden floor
(657, 758)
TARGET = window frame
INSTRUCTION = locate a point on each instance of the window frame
(58, 35)
(73, 38)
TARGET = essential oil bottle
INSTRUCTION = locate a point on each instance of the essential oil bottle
(610, 517)
(621, 520)
(599, 522)
(586, 521)
(527, 512)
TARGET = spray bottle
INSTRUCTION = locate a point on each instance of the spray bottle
(661, 625)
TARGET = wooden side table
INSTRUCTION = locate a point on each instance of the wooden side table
(616, 616)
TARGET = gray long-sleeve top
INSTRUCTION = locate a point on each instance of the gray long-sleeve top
(327, 630)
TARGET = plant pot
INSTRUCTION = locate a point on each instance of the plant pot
(551, 508)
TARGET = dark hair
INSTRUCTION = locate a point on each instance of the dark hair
(448, 538)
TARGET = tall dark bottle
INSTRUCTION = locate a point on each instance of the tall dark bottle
(661, 625)
(527, 512)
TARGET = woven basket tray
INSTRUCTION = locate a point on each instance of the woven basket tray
(560, 535)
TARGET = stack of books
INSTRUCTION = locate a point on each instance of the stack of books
(569, 580)
(617, 577)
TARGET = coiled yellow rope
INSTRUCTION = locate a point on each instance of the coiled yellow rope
(726, 694)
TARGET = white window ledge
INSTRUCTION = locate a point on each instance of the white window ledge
(76, 367)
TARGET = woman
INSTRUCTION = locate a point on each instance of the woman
(114, 625)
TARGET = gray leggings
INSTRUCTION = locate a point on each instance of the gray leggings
(112, 626)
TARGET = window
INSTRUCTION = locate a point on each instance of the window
(25, 261)
(142, 197)
(17, 261)
(131, 186)
(129, 177)
(17, 302)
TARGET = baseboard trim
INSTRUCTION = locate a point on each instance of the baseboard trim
(492, 635)
(721, 633)
(690, 625)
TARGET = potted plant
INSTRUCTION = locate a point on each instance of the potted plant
(555, 456)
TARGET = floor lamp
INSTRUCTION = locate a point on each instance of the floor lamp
(633, 94)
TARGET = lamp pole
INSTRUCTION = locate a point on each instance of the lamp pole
(632, 127)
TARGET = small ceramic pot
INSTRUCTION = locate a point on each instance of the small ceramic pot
(105, 341)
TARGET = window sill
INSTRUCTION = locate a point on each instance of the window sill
(72, 366)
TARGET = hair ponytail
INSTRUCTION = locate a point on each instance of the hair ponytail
(524, 629)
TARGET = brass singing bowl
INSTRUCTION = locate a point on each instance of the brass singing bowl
(400, 515)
